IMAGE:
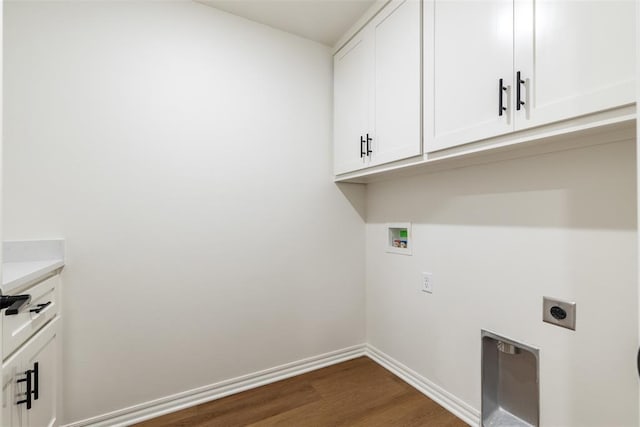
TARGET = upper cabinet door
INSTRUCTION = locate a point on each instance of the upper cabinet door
(395, 116)
(351, 68)
(574, 58)
(468, 49)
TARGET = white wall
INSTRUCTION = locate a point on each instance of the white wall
(498, 237)
(185, 156)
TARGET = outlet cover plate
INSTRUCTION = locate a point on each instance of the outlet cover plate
(566, 308)
(427, 282)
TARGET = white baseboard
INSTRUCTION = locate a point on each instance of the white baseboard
(453, 404)
(176, 402)
(155, 408)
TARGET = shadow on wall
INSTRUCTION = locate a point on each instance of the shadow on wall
(356, 194)
(498, 237)
(594, 187)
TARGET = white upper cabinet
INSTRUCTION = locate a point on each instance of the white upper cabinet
(558, 60)
(351, 104)
(377, 90)
(396, 83)
(468, 53)
(574, 58)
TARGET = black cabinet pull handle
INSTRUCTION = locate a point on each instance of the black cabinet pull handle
(40, 307)
(29, 392)
(362, 153)
(519, 82)
(35, 381)
(501, 89)
(369, 139)
(13, 303)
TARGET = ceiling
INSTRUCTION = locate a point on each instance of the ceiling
(324, 21)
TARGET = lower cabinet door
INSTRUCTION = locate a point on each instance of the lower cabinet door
(30, 381)
(13, 413)
(42, 359)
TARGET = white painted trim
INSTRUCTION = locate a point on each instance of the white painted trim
(453, 404)
(360, 24)
(179, 401)
(619, 129)
(187, 399)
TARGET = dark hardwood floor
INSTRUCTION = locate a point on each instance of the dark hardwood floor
(358, 392)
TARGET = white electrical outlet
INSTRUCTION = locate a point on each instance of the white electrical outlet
(427, 283)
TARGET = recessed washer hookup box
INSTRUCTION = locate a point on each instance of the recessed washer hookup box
(510, 383)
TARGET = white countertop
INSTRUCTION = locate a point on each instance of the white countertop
(16, 274)
(28, 261)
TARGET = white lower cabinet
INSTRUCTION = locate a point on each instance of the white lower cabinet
(32, 369)
(30, 374)
(19, 327)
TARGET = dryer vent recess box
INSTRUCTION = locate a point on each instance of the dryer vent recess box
(399, 238)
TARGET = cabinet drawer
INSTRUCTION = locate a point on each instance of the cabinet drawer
(16, 329)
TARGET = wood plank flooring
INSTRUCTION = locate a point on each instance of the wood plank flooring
(357, 393)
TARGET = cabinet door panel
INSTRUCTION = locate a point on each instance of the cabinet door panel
(12, 414)
(351, 103)
(43, 350)
(396, 82)
(576, 57)
(468, 49)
